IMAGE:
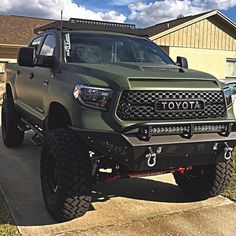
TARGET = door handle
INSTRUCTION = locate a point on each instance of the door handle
(18, 72)
(31, 75)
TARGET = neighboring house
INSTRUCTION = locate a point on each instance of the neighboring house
(16, 32)
(207, 40)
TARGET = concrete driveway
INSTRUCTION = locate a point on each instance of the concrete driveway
(142, 206)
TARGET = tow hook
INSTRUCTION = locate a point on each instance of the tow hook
(151, 158)
(228, 152)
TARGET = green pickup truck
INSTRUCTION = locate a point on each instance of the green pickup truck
(107, 103)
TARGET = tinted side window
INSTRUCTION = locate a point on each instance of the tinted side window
(36, 42)
(48, 48)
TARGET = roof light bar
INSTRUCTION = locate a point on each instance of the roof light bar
(82, 24)
(101, 23)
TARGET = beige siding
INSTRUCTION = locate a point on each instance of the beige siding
(210, 61)
(8, 52)
(203, 34)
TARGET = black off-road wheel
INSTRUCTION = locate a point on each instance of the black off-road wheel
(66, 175)
(202, 182)
(12, 136)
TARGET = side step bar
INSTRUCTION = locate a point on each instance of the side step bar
(23, 127)
(37, 139)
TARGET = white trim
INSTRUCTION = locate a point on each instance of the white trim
(226, 18)
(12, 45)
(6, 60)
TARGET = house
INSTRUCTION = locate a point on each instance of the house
(207, 40)
(16, 32)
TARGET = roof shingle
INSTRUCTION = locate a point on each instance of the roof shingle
(18, 30)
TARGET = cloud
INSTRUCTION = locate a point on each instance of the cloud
(140, 12)
(146, 14)
(51, 9)
(121, 2)
(5, 6)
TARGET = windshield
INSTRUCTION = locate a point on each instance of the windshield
(105, 48)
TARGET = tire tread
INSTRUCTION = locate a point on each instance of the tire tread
(211, 184)
(13, 136)
(74, 171)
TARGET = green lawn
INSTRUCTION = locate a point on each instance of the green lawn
(231, 191)
(7, 226)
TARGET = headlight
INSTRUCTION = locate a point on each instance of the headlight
(98, 98)
(228, 96)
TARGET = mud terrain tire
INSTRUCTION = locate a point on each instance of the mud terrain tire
(66, 175)
(203, 182)
(12, 136)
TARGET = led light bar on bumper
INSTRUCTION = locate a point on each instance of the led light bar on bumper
(186, 131)
(228, 96)
(93, 97)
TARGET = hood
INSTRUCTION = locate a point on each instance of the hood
(127, 75)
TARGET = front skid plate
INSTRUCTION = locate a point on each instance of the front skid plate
(171, 151)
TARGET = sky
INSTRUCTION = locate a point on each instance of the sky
(143, 13)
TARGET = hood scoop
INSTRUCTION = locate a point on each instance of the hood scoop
(173, 69)
(151, 67)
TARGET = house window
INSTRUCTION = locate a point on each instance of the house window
(230, 68)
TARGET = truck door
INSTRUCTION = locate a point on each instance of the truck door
(38, 85)
(24, 75)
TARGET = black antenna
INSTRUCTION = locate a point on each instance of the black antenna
(61, 19)
(61, 41)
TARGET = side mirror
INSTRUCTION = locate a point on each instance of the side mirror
(45, 61)
(26, 57)
(182, 62)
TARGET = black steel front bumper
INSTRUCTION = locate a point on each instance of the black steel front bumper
(169, 150)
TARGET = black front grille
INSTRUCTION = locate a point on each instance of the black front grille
(141, 105)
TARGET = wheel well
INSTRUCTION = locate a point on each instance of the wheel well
(9, 91)
(58, 116)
